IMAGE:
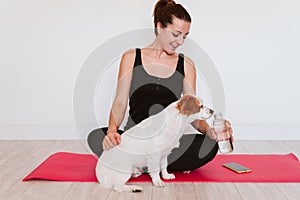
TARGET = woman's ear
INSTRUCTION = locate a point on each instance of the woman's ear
(159, 27)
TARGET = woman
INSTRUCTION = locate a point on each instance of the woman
(153, 77)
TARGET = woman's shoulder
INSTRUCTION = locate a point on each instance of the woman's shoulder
(128, 58)
(188, 61)
(129, 53)
(127, 61)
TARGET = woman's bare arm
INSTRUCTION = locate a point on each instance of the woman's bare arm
(120, 102)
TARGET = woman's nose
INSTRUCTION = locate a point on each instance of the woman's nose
(180, 40)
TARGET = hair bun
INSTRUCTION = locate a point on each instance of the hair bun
(171, 2)
(165, 10)
(161, 4)
(164, 3)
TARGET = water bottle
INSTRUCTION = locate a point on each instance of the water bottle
(223, 136)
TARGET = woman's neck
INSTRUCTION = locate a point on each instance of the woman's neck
(157, 51)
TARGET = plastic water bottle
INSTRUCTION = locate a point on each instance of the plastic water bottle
(223, 136)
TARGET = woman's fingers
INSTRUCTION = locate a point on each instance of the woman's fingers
(212, 134)
(107, 144)
(111, 140)
(227, 123)
(230, 130)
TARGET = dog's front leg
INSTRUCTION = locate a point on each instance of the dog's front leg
(164, 172)
(154, 169)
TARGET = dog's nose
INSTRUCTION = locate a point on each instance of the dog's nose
(207, 112)
(210, 111)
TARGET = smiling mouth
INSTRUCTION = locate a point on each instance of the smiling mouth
(175, 47)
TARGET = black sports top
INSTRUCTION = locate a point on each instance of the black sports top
(150, 94)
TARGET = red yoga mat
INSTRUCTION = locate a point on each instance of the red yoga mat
(64, 166)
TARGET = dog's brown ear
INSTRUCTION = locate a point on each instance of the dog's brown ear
(188, 105)
(181, 102)
(178, 105)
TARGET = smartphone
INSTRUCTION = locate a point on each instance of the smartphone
(236, 167)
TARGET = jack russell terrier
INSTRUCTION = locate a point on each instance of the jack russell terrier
(148, 144)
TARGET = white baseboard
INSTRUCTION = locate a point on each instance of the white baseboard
(285, 132)
(69, 132)
(44, 132)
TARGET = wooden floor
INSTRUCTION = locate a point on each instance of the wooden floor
(18, 158)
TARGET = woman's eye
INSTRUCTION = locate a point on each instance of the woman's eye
(175, 35)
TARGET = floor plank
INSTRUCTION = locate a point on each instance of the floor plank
(183, 191)
(161, 193)
(239, 148)
(18, 158)
(290, 190)
(25, 161)
(145, 194)
(46, 190)
(226, 191)
(255, 191)
(174, 191)
(14, 169)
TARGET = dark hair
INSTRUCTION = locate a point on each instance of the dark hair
(164, 11)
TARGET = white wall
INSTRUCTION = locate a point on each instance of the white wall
(43, 45)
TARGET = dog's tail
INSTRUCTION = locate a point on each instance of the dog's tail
(130, 188)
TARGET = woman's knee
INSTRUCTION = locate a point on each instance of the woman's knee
(200, 151)
(96, 134)
(208, 149)
(95, 139)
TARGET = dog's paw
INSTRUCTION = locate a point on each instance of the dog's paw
(168, 176)
(158, 183)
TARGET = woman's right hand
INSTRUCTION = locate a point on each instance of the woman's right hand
(111, 139)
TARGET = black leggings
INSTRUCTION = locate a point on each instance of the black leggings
(195, 150)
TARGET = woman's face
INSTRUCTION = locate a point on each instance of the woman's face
(173, 36)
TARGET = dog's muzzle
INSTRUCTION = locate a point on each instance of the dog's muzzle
(205, 112)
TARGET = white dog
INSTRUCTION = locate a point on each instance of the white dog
(147, 145)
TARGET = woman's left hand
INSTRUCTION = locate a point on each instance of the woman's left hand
(213, 135)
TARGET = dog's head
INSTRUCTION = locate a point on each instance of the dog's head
(190, 106)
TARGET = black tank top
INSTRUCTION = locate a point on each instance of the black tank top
(150, 94)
